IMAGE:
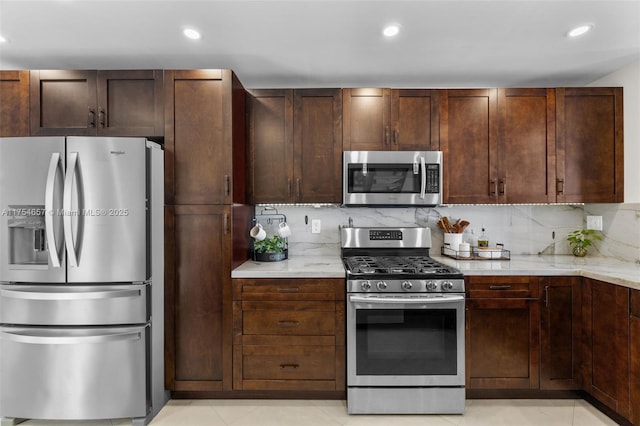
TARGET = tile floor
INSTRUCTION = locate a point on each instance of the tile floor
(564, 412)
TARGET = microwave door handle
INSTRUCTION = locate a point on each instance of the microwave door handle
(66, 206)
(423, 183)
(48, 207)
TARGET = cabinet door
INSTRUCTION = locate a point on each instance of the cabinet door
(130, 103)
(590, 145)
(526, 129)
(366, 124)
(198, 148)
(14, 103)
(317, 142)
(606, 367)
(560, 333)
(63, 103)
(468, 140)
(634, 349)
(198, 298)
(502, 344)
(271, 145)
(415, 118)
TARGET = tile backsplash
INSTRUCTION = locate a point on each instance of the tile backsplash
(523, 229)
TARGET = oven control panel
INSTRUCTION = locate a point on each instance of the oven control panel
(385, 235)
(399, 286)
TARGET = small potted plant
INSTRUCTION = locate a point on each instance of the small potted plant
(580, 239)
(270, 249)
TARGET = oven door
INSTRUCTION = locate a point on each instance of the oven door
(405, 340)
(392, 178)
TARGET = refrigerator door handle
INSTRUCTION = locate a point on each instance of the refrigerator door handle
(66, 295)
(54, 164)
(66, 207)
(35, 338)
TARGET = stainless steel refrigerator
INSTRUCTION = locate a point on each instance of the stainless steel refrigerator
(81, 278)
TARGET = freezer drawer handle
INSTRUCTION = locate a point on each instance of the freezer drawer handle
(54, 164)
(66, 295)
(35, 339)
(66, 206)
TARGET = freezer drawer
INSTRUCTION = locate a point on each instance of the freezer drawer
(80, 373)
(74, 305)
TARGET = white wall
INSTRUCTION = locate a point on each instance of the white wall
(629, 78)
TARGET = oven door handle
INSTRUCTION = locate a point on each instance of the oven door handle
(412, 300)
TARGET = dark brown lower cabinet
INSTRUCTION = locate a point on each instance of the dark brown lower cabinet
(634, 349)
(198, 295)
(289, 335)
(502, 336)
(560, 332)
(606, 344)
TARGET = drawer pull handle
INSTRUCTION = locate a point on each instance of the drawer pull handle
(288, 290)
(292, 366)
(288, 323)
(499, 287)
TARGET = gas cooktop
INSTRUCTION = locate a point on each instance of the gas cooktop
(396, 265)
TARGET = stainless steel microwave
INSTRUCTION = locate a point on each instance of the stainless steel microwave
(392, 178)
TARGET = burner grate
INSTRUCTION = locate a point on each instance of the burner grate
(394, 265)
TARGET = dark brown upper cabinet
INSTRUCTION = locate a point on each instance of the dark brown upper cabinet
(317, 145)
(205, 144)
(104, 103)
(526, 146)
(499, 145)
(391, 119)
(14, 103)
(295, 144)
(590, 149)
(468, 140)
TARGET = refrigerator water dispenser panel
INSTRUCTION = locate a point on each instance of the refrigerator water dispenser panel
(27, 237)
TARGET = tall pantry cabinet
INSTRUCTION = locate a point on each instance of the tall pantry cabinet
(206, 222)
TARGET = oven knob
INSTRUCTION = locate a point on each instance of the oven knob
(366, 285)
(447, 285)
(381, 285)
(432, 285)
(407, 285)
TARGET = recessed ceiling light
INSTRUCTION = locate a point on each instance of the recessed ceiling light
(2, 39)
(391, 30)
(578, 31)
(192, 34)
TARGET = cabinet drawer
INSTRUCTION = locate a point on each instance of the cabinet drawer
(502, 287)
(284, 289)
(288, 322)
(288, 362)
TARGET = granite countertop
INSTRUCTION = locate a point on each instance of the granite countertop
(601, 268)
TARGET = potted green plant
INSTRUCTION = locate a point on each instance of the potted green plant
(580, 239)
(270, 249)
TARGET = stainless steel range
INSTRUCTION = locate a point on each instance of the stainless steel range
(405, 324)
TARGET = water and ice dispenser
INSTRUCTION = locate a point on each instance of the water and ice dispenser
(27, 236)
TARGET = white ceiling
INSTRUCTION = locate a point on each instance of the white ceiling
(314, 43)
